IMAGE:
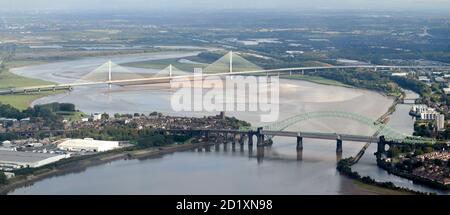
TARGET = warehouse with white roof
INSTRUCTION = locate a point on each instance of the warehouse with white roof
(10, 160)
(88, 144)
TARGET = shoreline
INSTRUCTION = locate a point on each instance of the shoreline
(375, 185)
(80, 164)
(154, 153)
(415, 179)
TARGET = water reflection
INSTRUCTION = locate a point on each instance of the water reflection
(299, 155)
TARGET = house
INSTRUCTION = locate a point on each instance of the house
(424, 79)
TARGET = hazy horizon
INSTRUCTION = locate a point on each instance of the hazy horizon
(205, 5)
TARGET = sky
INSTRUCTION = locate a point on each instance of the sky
(192, 5)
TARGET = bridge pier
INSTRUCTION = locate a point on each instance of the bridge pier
(338, 144)
(250, 138)
(381, 145)
(260, 154)
(299, 142)
(225, 137)
(299, 155)
(260, 137)
(338, 156)
(207, 135)
(207, 148)
(217, 137)
(235, 139)
(260, 140)
(241, 139)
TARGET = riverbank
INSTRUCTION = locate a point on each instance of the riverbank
(316, 80)
(382, 188)
(79, 164)
(407, 175)
(21, 101)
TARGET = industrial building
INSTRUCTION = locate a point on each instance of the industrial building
(10, 160)
(88, 144)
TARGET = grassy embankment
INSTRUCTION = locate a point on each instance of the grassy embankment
(377, 190)
(20, 101)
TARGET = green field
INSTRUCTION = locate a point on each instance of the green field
(375, 190)
(20, 101)
(316, 79)
(72, 116)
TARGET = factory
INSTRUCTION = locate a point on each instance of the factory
(10, 160)
(88, 145)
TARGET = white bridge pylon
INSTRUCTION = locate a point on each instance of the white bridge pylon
(108, 73)
(231, 63)
(112, 73)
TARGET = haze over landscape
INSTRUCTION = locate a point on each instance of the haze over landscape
(202, 5)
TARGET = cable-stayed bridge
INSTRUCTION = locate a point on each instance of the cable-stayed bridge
(231, 64)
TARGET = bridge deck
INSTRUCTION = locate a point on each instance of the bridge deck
(310, 135)
(168, 78)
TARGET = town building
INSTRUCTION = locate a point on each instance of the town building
(424, 112)
(400, 74)
(424, 79)
(88, 144)
(440, 80)
(97, 116)
(429, 114)
(440, 122)
(419, 108)
(10, 160)
(447, 91)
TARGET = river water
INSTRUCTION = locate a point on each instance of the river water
(225, 169)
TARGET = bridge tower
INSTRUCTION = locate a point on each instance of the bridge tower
(109, 74)
(299, 142)
(339, 144)
(231, 61)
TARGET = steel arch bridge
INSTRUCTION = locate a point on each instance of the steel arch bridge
(382, 129)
